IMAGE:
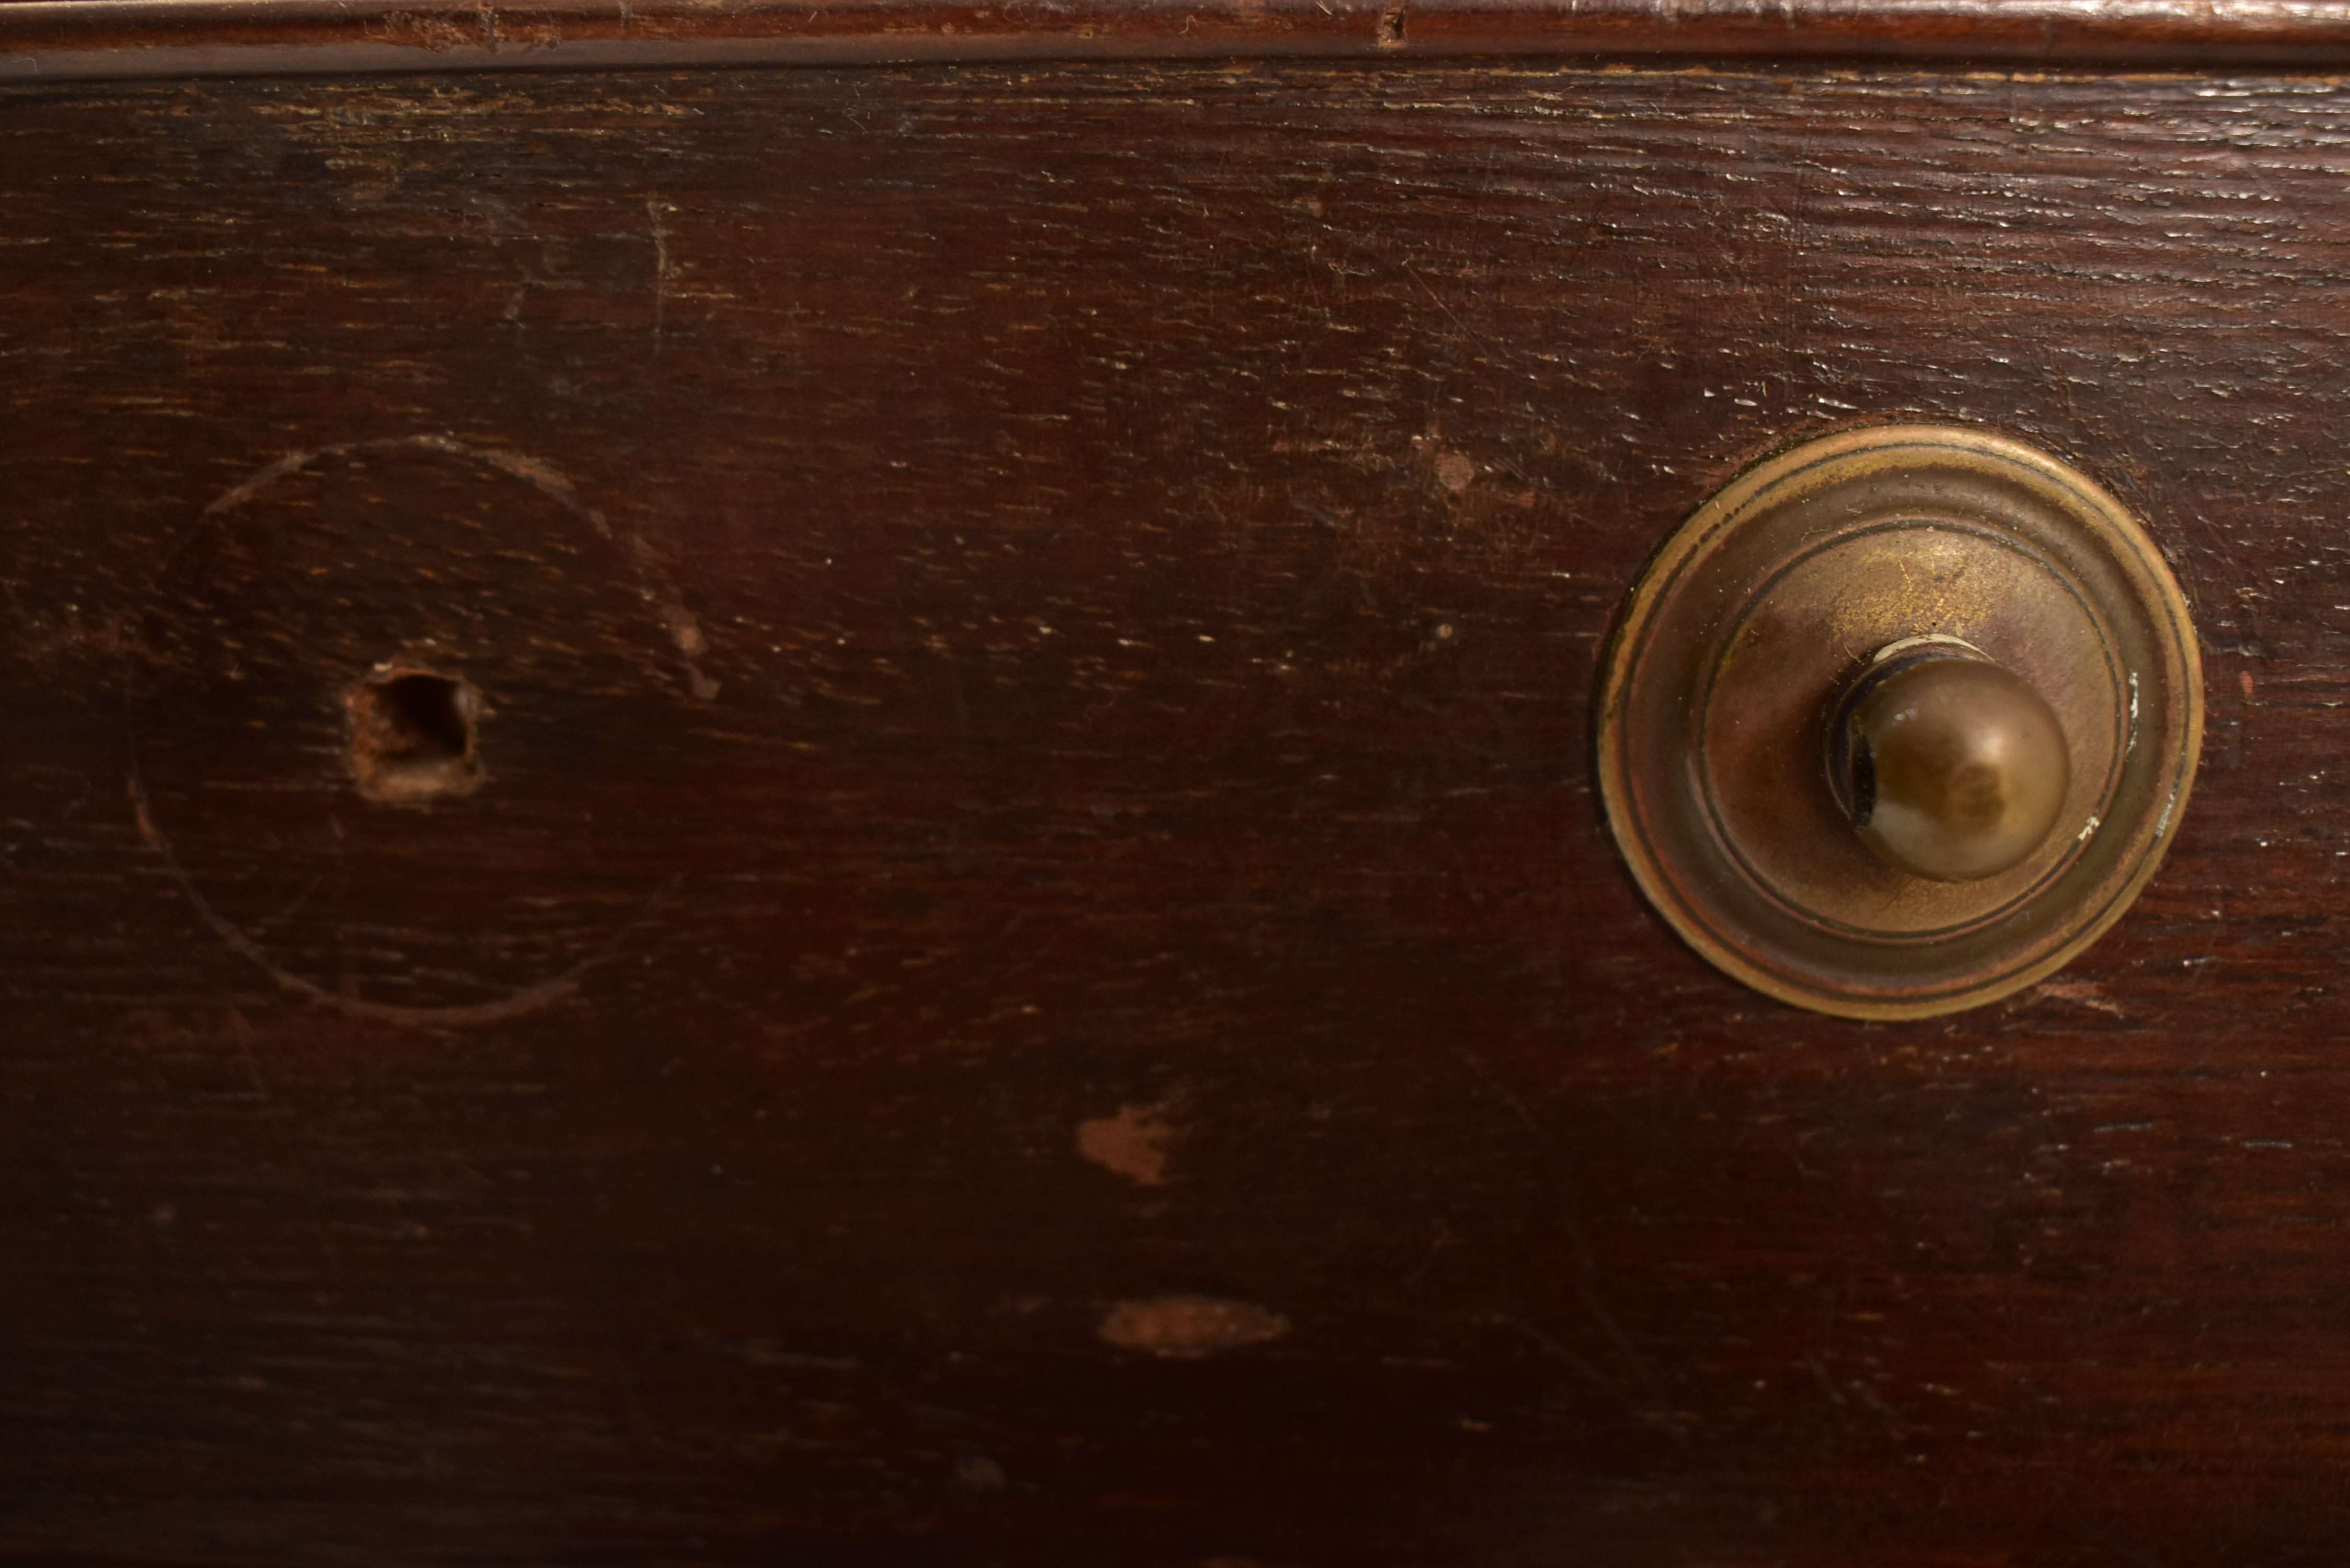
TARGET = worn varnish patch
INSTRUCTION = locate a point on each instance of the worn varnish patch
(1132, 1143)
(1187, 1327)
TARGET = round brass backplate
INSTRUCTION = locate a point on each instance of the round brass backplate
(1753, 620)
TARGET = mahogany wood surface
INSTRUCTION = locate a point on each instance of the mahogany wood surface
(1032, 974)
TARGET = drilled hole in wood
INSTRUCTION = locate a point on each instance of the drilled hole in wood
(413, 736)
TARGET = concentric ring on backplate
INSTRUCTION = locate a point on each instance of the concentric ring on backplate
(1757, 609)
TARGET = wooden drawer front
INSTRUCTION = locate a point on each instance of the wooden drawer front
(1034, 974)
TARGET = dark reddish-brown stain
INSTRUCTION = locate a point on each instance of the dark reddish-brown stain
(1031, 973)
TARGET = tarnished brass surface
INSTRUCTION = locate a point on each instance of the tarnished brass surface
(1950, 766)
(1741, 649)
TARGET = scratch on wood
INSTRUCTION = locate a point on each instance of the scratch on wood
(655, 208)
(2085, 993)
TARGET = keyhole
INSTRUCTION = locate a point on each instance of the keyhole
(413, 736)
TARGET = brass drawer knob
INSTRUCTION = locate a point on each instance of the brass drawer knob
(1950, 766)
(1900, 721)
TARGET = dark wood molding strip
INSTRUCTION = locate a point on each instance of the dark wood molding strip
(100, 39)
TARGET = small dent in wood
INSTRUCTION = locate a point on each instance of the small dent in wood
(415, 736)
(1390, 33)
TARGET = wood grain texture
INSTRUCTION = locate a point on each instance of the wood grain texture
(118, 39)
(1035, 977)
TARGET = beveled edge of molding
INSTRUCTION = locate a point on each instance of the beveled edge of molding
(91, 40)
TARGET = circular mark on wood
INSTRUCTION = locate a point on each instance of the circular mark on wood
(403, 715)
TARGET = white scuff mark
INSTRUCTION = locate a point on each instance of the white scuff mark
(662, 271)
(2081, 993)
(1924, 639)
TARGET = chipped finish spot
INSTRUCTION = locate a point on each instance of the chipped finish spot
(1132, 1143)
(1189, 1327)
